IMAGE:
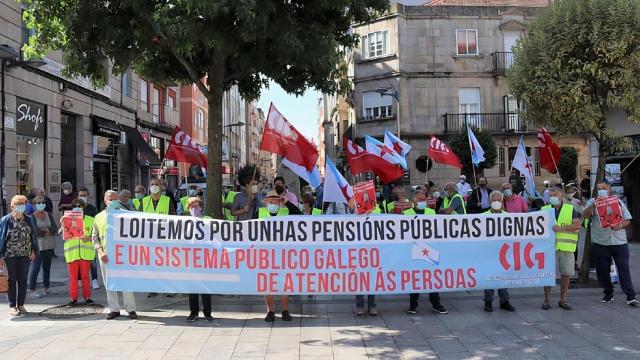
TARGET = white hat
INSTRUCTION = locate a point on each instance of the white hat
(463, 177)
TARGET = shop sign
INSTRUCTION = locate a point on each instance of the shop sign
(30, 118)
(100, 129)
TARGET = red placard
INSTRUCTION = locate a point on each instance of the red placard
(72, 225)
(365, 196)
(609, 211)
(400, 206)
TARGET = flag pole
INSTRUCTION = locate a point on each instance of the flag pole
(629, 164)
(555, 165)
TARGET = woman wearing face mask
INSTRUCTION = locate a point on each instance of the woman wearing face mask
(79, 253)
(18, 247)
(194, 207)
(68, 195)
(183, 205)
(46, 232)
(307, 206)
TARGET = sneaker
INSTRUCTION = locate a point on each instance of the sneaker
(35, 295)
(89, 302)
(112, 315)
(286, 316)
(208, 318)
(152, 294)
(607, 299)
(412, 311)
(488, 306)
(633, 302)
(439, 309)
(14, 311)
(192, 317)
(546, 306)
(133, 315)
(507, 306)
(49, 292)
(22, 310)
(359, 311)
(72, 303)
(373, 311)
(94, 284)
(565, 306)
(271, 316)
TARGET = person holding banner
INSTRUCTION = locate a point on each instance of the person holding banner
(479, 201)
(194, 208)
(89, 211)
(245, 205)
(610, 243)
(139, 193)
(497, 198)
(307, 206)
(79, 254)
(566, 228)
(453, 203)
(191, 192)
(99, 237)
(420, 208)
(281, 190)
(513, 203)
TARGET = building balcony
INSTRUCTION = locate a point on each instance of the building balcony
(502, 61)
(493, 123)
(164, 114)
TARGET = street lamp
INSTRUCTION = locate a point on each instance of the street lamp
(8, 59)
(234, 125)
(394, 94)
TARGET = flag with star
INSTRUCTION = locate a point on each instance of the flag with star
(421, 251)
(400, 147)
(523, 165)
(378, 148)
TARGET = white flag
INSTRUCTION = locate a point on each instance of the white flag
(422, 251)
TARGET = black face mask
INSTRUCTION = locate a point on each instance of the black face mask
(395, 197)
(279, 189)
(482, 185)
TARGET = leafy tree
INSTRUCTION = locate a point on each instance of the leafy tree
(580, 59)
(459, 144)
(215, 44)
(567, 164)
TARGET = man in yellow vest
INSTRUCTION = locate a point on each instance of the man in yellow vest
(496, 199)
(420, 208)
(90, 213)
(193, 191)
(566, 227)
(227, 201)
(78, 254)
(277, 206)
(98, 236)
(453, 203)
(139, 193)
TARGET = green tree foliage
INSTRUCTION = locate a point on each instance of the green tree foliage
(567, 164)
(579, 60)
(215, 44)
(459, 144)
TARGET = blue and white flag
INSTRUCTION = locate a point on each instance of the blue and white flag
(336, 189)
(312, 177)
(396, 144)
(477, 153)
(377, 148)
(523, 165)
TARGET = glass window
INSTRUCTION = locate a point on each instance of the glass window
(155, 105)
(30, 156)
(375, 44)
(125, 83)
(467, 42)
(375, 106)
(501, 170)
(144, 95)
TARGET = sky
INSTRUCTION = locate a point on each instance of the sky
(302, 111)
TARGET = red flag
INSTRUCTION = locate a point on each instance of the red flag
(362, 161)
(182, 148)
(282, 138)
(440, 152)
(549, 151)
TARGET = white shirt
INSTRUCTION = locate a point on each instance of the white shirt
(463, 189)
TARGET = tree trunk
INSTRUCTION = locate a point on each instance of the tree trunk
(213, 206)
(603, 153)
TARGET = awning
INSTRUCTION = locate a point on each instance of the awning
(141, 145)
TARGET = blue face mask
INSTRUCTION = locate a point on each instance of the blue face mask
(421, 205)
(114, 205)
(554, 201)
(19, 209)
(602, 193)
(507, 192)
(40, 207)
(193, 192)
(272, 208)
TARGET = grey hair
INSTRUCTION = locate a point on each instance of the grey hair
(108, 193)
(67, 185)
(125, 192)
(496, 193)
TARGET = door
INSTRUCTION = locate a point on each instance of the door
(102, 179)
(510, 38)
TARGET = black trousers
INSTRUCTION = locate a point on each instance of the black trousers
(434, 299)
(620, 254)
(18, 271)
(194, 303)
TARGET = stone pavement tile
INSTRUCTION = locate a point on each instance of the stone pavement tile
(434, 331)
(383, 353)
(347, 342)
(284, 342)
(213, 354)
(159, 342)
(250, 350)
(592, 353)
(285, 331)
(550, 327)
(242, 357)
(410, 340)
(226, 331)
(147, 354)
(135, 334)
(471, 336)
(509, 342)
(114, 327)
(184, 348)
(215, 343)
(525, 330)
(571, 340)
(491, 329)
(446, 345)
(550, 348)
(283, 354)
(194, 335)
(316, 357)
(417, 353)
(36, 342)
(524, 355)
(379, 342)
(18, 354)
(316, 350)
(458, 356)
(339, 308)
(349, 352)
(168, 330)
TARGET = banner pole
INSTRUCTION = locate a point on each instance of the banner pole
(473, 166)
(555, 165)
(629, 164)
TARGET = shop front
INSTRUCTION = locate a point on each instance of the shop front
(31, 135)
(622, 172)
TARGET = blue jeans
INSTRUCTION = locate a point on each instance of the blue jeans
(620, 254)
(371, 301)
(42, 261)
(94, 268)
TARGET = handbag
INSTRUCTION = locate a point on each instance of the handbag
(4, 277)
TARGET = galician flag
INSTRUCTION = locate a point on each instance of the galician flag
(393, 142)
(477, 153)
(336, 188)
(422, 251)
(377, 148)
(312, 177)
(522, 164)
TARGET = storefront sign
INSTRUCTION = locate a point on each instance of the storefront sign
(337, 255)
(30, 118)
(105, 129)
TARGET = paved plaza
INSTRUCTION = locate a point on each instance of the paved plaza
(326, 328)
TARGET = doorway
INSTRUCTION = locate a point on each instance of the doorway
(102, 179)
(68, 151)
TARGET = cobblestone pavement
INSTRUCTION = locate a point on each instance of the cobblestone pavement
(326, 328)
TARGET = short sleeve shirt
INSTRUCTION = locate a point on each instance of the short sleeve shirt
(19, 239)
(456, 205)
(240, 201)
(608, 236)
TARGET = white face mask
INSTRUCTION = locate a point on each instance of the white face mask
(272, 208)
(496, 205)
(436, 194)
(67, 192)
(254, 189)
(421, 205)
(154, 189)
(554, 201)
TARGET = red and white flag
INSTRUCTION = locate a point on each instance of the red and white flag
(362, 161)
(441, 153)
(549, 151)
(183, 148)
(280, 137)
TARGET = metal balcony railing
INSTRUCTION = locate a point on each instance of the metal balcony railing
(502, 62)
(494, 123)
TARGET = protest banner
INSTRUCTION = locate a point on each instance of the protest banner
(365, 197)
(609, 211)
(340, 255)
(72, 225)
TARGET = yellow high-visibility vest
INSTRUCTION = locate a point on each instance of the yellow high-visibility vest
(446, 202)
(427, 211)
(263, 213)
(565, 241)
(162, 207)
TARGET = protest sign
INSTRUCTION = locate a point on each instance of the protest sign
(339, 255)
(365, 197)
(72, 225)
(400, 206)
(609, 211)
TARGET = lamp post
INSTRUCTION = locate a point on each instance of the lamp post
(8, 59)
(394, 94)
